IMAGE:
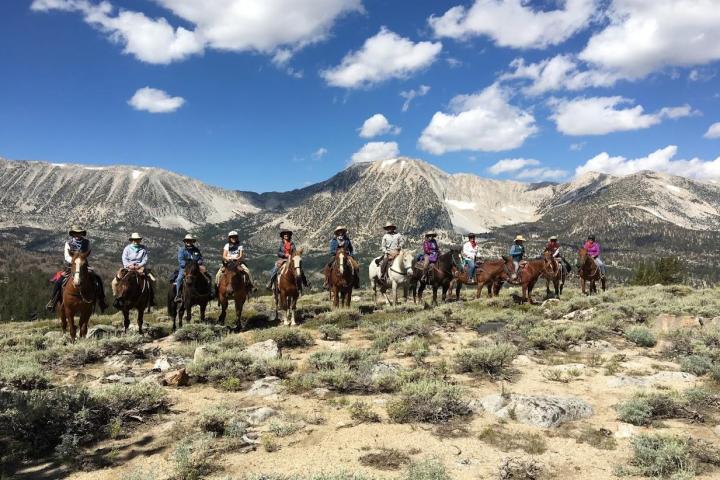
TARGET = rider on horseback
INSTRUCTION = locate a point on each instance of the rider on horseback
(341, 240)
(188, 252)
(517, 251)
(430, 255)
(470, 254)
(284, 253)
(392, 243)
(77, 243)
(593, 249)
(233, 251)
(134, 258)
(553, 246)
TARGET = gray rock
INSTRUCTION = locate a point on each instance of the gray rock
(162, 364)
(258, 416)
(115, 378)
(383, 369)
(201, 353)
(120, 361)
(594, 345)
(580, 314)
(625, 430)
(321, 392)
(266, 350)
(266, 387)
(102, 331)
(540, 411)
(717, 430)
(619, 381)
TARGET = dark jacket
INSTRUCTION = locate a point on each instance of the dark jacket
(281, 249)
(335, 244)
(186, 254)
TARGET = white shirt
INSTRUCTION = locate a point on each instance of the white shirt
(392, 241)
(470, 252)
(234, 254)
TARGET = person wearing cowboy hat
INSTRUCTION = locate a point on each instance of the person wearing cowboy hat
(188, 252)
(134, 257)
(593, 249)
(431, 252)
(77, 242)
(553, 246)
(391, 244)
(470, 254)
(517, 251)
(341, 240)
(284, 253)
(233, 251)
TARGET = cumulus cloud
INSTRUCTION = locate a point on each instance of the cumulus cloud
(376, 151)
(511, 165)
(514, 23)
(378, 125)
(644, 36)
(154, 100)
(410, 95)
(541, 174)
(320, 153)
(602, 115)
(384, 56)
(713, 131)
(660, 161)
(484, 121)
(274, 27)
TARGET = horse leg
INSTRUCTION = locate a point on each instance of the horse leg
(582, 285)
(223, 308)
(405, 293)
(335, 297)
(547, 288)
(530, 287)
(203, 306)
(126, 317)
(60, 310)
(71, 323)
(239, 304)
(84, 321)
(293, 304)
(604, 285)
(434, 296)
(445, 289)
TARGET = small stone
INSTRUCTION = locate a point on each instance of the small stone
(569, 367)
(523, 360)
(120, 361)
(178, 378)
(538, 410)
(200, 354)
(258, 416)
(266, 387)
(383, 369)
(162, 365)
(619, 381)
(321, 392)
(625, 430)
(266, 350)
(102, 331)
(594, 345)
(665, 323)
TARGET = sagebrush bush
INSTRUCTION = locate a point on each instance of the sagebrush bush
(137, 398)
(362, 412)
(192, 457)
(22, 372)
(221, 421)
(347, 370)
(428, 469)
(645, 407)
(491, 359)
(200, 332)
(285, 337)
(429, 401)
(240, 365)
(641, 336)
(386, 334)
(661, 456)
(696, 364)
(330, 332)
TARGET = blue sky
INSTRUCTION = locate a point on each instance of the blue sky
(272, 95)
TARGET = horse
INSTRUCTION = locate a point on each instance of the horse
(234, 285)
(589, 271)
(488, 273)
(399, 273)
(133, 291)
(79, 295)
(554, 272)
(196, 290)
(528, 275)
(341, 279)
(442, 274)
(288, 286)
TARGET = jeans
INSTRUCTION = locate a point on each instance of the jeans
(179, 280)
(471, 269)
(600, 264)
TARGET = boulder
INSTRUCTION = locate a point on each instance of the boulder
(162, 364)
(266, 350)
(266, 387)
(115, 378)
(620, 381)
(383, 369)
(258, 416)
(594, 346)
(120, 361)
(580, 314)
(625, 430)
(178, 378)
(201, 353)
(102, 331)
(537, 410)
(665, 323)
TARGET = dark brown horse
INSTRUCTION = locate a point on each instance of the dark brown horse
(78, 296)
(196, 290)
(133, 292)
(341, 279)
(589, 271)
(288, 287)
(234, 285)
(528, 275)
(554, 272)
(443, 272)
(491, 274)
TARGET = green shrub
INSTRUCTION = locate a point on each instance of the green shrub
(696, 364)
(665, 270)
(491, 359)
(532, 443)
(138, 398)
(645, 407)
(330, 332)
(715, 373)
(285, 337)
(661, 456)
(641, 336)
(386, 334)
(200, 332)
(362, 412)
(428, 469)
(22, 372)
(430, 401)
(240, 365)
(192, 457)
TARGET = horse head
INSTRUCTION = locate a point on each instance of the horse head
(509, 271)
(79, 267)
(582, 257)
(340, 256)
(296, 259)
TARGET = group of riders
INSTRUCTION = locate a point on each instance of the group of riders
(135, 258)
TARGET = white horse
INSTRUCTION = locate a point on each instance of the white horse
(399, 273)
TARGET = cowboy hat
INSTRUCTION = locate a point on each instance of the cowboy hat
(389, 225)
(135, 236)
(189, 238)
(283, 232)
(554, 237)
(340, 228)
(430, 234)
(519, 238)
(76, 229)
(232, 234)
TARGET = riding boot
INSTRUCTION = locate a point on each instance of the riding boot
(101, 294)
(271, 283)
(178, 294)
(356, 280)
(151, 286)
(55, 298)
(304, 280)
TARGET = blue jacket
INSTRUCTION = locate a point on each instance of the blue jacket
(517, 252)
(335, 244)
(281, 249)
(189, 254)
(78, 244)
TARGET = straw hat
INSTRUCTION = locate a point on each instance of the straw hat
(519, 238)
(135, 236)
(340, 228)
(554, 237)
(76, 229)
(189, 238)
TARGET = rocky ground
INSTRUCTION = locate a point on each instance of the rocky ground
(622, 383)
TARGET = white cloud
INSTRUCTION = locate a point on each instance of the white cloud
(513, 23)
(576, 147)
(644, 36)
(274, 27)
(376, 151)
(383, 56)
(713, 131)
(659, 161)
(378, 125)
(320, 153)
(155, 101)
(511, 165)
(602, 115)
(484, 121)
(410, 95)
(541, 174)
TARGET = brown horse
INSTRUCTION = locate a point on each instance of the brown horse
(528, 275)
(288, 286)
(554, 272)
(196, 290)
(443, 272)
(589, 272)
(78, 296)
(491, 274)
(133, 292)
(234, 285)
(341, 279)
